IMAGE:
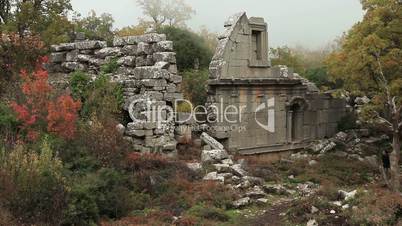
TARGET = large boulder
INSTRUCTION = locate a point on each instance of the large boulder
(214, 155)
(241, 202)
(211, 141)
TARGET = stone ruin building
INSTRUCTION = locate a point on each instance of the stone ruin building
(147, 72)
(279, 110)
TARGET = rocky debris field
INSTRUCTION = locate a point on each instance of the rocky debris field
(331, 182)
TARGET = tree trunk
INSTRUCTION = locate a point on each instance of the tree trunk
(394, 159)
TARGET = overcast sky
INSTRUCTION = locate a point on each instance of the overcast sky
(310, 23)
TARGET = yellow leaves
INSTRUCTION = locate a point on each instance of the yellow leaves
(23, 164)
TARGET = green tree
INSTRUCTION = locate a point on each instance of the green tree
(191, 49)
(369, 62)
(95, 27)
(286, 56)
(46, 18)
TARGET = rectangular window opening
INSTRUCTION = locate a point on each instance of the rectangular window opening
(257, 44)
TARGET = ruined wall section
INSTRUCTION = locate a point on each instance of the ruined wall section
(147, 72)
(234, 58)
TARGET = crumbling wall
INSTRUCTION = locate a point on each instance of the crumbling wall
(147, 72)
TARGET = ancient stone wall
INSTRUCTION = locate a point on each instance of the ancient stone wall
(148, 74)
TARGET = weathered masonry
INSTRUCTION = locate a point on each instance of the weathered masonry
(148, 74)
(278, 110)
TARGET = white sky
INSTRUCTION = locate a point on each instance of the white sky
(309, 23)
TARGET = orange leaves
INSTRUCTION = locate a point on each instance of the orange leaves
(62, 115)
(38, 112)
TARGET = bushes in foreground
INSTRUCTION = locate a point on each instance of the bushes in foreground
(33, 187)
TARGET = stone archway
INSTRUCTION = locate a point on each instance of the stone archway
(295, 119)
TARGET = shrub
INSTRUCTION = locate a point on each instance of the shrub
(207, 212)
(194, 86)
(105, 193)
(79, 85)
(101, 98)
(189, 47)
(348, 122)
(8, 124)
(101, 140)
(33, 188)
(110, 67)
(37, 111)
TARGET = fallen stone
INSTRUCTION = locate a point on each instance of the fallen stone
(254, 180)
(227, 161)
(222, 168)
(340, 154)
(312, 222)
(347, 195)
(241, 202)
(314, 209)
(211, 141)
(275, 189)
(312, 163)
(238, 170)
(362, 100)
(262, 201)
(243, 185)
(341, 136)
(196, 167)
(337, 203)
(213, 176)
(213, 155)
(346, 206)
(255, 193)
(332, 212)
(120, 128)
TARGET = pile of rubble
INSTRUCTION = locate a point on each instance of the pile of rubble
(146, 68)
(353, 144)
(221, 167)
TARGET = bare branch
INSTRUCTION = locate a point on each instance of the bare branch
(383, 122)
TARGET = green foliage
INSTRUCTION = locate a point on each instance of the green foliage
(377, 36)
(348, 122)
(194, 86)
(47, 18)
(8, 121)
(110, 67)
(189, 47)
(320, 77)
(286, 56)
(103, 193)
(207, 212)
(79, 84)
(95, 27)
(101, 98)
(33, 187)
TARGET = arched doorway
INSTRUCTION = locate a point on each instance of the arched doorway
(295, 119)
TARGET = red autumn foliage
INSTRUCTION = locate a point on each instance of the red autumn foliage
(37, 110)
(62, 116)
